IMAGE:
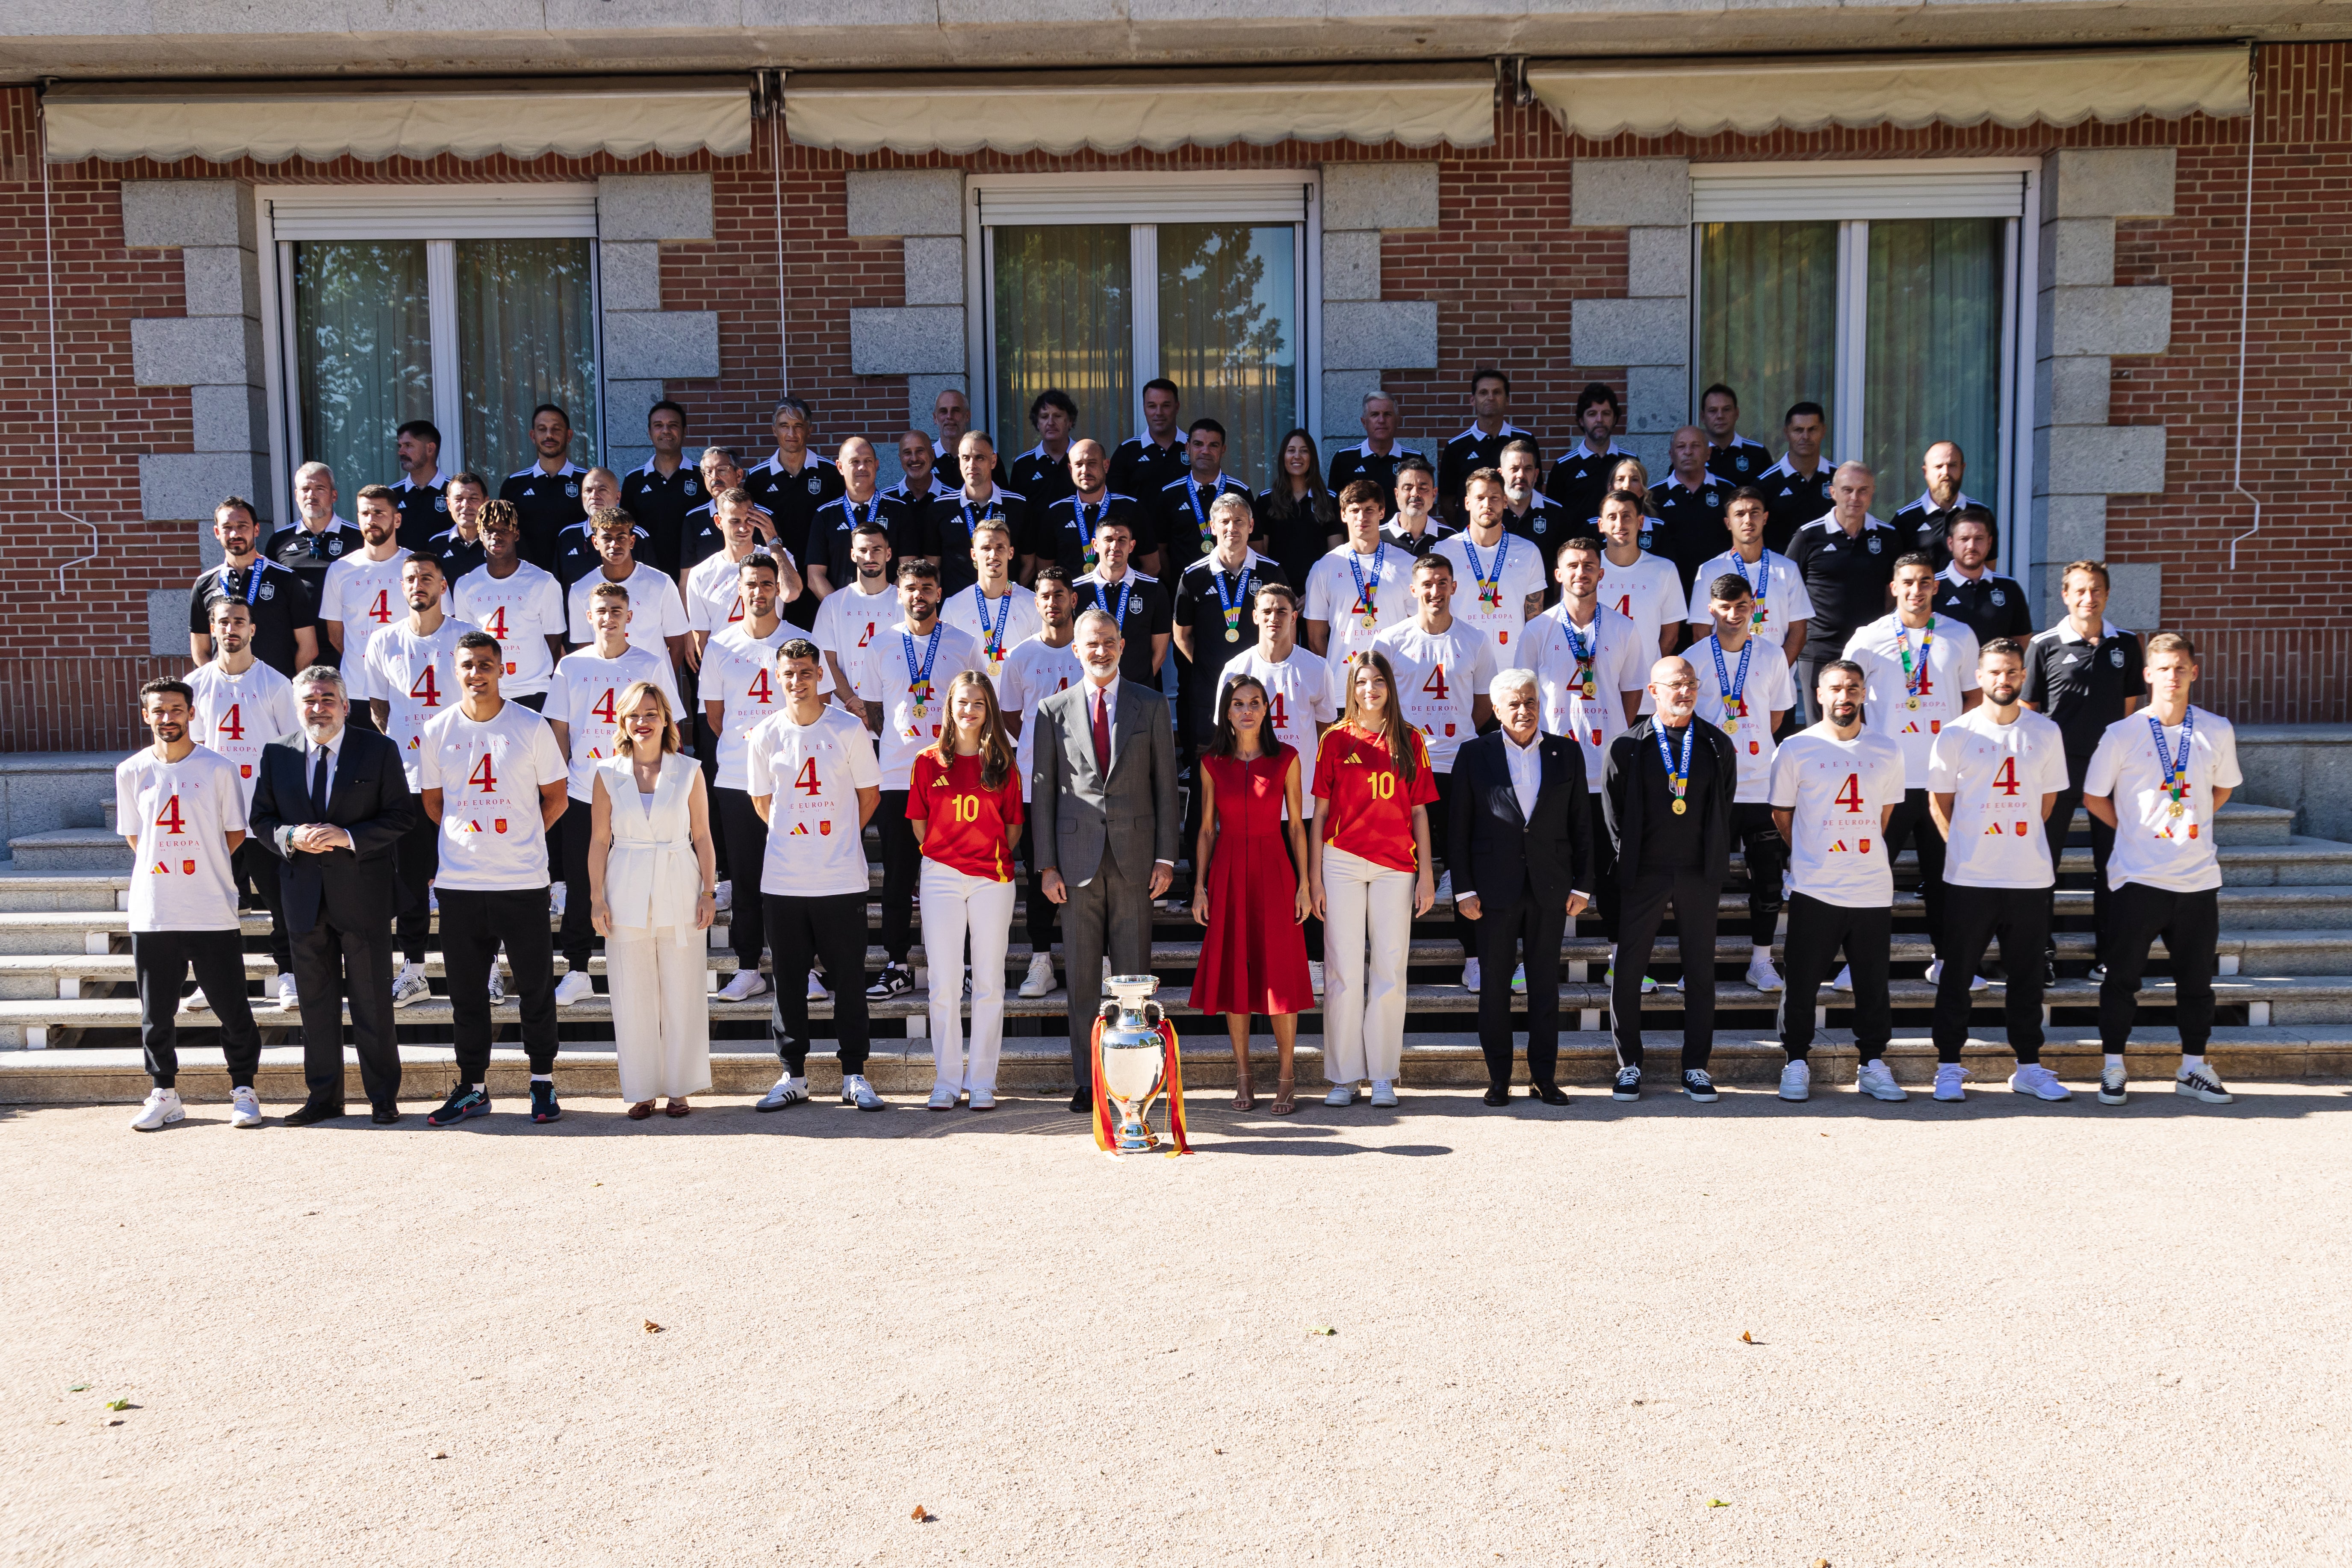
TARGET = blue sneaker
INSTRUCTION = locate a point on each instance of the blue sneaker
(543, 1107)
(463, 1100)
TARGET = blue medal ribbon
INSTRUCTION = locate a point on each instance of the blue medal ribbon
(1677, 776)
(1913, 677)
(1584, 655)
(2176, 773)
(1231, 608)
(1200, 516)
(1366, 594)
(918, 682)
(1734, 690)
(991, 640)
(1758, 589)
(1126, 592)
(1490, 588)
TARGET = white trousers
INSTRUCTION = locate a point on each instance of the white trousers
(954, 905)
(661, 1010)
(1363, 1021)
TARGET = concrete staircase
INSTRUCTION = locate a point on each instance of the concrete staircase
(69, 1019)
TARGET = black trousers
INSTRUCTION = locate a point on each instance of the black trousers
(161, 960)
(1037, 909)
(1816, 932)
(746, 845)
(2191, 925)
(902, 861)
(473, 925)
(418, 857)
(1500, 932)
(1441, 823)
(579, 933)
(331, 966)
(2103, 844)
(1807, 674)
(832, 927)
(1766, 853)
(2020, 917)
(1605, 897)
(1910, 826)
(1693, 898)
(256, 870)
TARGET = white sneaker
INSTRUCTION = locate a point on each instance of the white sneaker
(1936, 975)
(746, 984)
(2198, 1083)
(289, 1000)
(981, 1100)
(2033, 1078)
(1314, 975)
(1040, 979)
(944, 1097)
(244, 1108)
(1876, 1079)
(1949, 1075)
(1341, 1095)
(855, 1090)
(724, 899)
(1470, 976)
(1762, 976)
(1844, 981)
(1384, 1094)
(1446, 888)
(2111, 1086)
(408, 988)
(163, 1106)
(786, 1091)
(556, 893)
(498, 988)
(1796, 1081)
(816, 991)
(194, 1001)
(574, 988)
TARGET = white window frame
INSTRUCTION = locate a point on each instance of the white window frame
(439, 215)
(1143, 202)
(1851, 192)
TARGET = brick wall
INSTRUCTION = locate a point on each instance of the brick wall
(1504, 267)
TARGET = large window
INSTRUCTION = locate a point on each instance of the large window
(468, 309)
(1887, 296)
(1097, 290)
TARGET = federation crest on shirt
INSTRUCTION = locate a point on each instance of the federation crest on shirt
(1740, 460)
(690, 489)
(334, 547)
(816, 485)
(573, 491)
(1874, 544)
(187, 868)
(1707, 497)
(2114, 656)
(2000, 597)
(498, 824)
(440, 503)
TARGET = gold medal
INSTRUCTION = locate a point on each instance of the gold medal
(2177, 810)
(1233, 635)
(1911, 703)
(1730, 725)
(1680, 807)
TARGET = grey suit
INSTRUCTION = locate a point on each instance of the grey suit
(1102, 834)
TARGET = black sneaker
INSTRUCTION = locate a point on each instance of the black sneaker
(1629, 1085)
(543, 1107)
(1698, 1085)
(895, 981)
(2050, 967)
(463, 1100)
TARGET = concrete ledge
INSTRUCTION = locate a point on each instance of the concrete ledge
(908, 340)
(183, 486)
(1383, 335)
(661, 345)
(1626, 193)
(653, 208)
(886, 203)
(1399, 195)
(1629, 333)
(2108, 183)
(164, 212)
(2108, 320)
(195, 350)
(2101, 459)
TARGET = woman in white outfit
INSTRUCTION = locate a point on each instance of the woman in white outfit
(652, 878)
(963, 800)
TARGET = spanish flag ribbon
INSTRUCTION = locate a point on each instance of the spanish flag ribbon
(1172, 1082)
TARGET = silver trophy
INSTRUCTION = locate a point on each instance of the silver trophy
(1131, 1060)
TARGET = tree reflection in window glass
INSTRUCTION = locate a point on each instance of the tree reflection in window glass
(1932, 363)
(1228, 334)
(1767, 321)
(1063, 311)
(363, 351)
(526, 335)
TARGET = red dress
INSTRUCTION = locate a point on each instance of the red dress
(1254, 956)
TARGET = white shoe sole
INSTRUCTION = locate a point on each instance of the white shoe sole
(2116, 1097)
(1800, 1097)
(2017, 1088)
(410, 998)
(176, 1113)
(1338, 1101)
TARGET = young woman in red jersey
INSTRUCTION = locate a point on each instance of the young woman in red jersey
(963, 801)
(1367, 872)
(1253, 895)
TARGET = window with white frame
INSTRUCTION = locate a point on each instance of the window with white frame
(467, 306)
(1098, 284)
(1894, 295)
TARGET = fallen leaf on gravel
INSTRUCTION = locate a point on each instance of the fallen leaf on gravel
(1216, 1451)
(119, 1405)
(78, 1388)
(1716, 1502)
(116, 1422)
(1319, 1329)
(921, 1514)
(595, 1184)
(652, 1327)
(1820, 1562)
(438, 1454)
(1747, 1338)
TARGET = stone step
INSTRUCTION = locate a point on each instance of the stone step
(1449, 1062)
(70, 849)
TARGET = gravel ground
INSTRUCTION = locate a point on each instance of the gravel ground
(1990, 1333)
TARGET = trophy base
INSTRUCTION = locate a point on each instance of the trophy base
(1136, 1139)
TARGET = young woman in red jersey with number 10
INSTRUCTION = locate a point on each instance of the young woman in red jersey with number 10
(963, 801)
(1369, 875)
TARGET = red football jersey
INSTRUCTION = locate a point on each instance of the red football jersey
(965, 825)
(1372, 808)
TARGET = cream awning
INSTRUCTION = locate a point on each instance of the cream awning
(375, 120)
(1753, 97)
(1112, 111)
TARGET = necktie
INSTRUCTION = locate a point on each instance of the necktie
(1102, 733)
(319, 787)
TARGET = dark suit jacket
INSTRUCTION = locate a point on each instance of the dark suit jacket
(1503, 857)
(1624, 803)
(355, 889)
(1076, 814)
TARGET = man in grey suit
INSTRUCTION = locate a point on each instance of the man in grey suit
(1104, 817)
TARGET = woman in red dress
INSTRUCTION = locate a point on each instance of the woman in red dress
(1253, 902)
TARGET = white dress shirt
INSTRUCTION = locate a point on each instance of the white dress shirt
(1109, 695)
(333, 748)
(1526, 763)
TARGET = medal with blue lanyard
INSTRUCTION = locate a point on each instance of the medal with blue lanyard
(2176, 773)
(995, 513)
(1231, 608)
(1587, 687)
(1758, 589)
(252, 581)
(1200, 514)
(1677, 775)
(919, 681)
(1915, 681)
(1734, 691)
(1126, 591)
(991, 640)
(1490, 588)
(1367, 592)
(1086, 530)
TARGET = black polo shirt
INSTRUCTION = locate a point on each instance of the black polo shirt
(1393, 532)
(1058, 534)
(2081, 687)
(1198, 607)
(1546, 528)
(1350, 464)
(947, 468)
(1292, 533)
(1040, 479)
(1178, 518)
(1929, 528)
(698, 538)
(1464, 455)
(1579, 480)
(793, 499)
(576, 557)
(947, 526)
(547, 504)
(457, 554)
(281, 601)
(309, 555)
(660, 502)
(830, 530)
(1742, 461)
(1991, 606)
(1690, 522)
(1140, 468)
(1792, 501)
(1147, 615)
(1846, 577)
(423, 511)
